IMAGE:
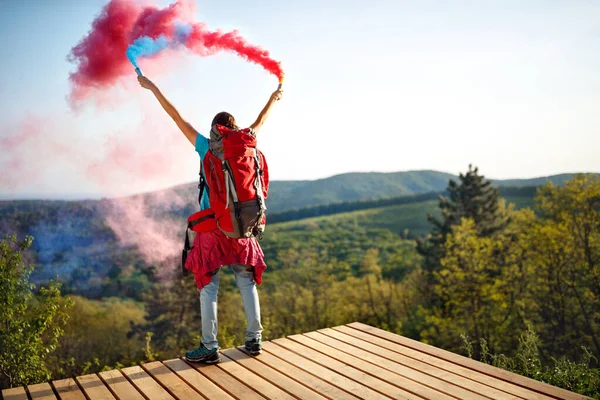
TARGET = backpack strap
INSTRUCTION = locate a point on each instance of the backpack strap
(259, 194)
(186, 246)
(201, 184)
(185, 251)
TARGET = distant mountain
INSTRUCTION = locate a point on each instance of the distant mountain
(555, 179)
(354, 186)
(287, 195)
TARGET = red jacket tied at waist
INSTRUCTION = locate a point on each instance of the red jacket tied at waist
(213, 250)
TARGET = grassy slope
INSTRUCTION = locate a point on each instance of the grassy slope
(394, 218)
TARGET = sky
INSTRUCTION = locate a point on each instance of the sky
(509, 86)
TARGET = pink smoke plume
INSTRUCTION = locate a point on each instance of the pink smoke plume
(101, 55)
(37, 145)
(132, 220)
(17, 164)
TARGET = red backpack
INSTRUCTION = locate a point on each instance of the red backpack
(237, 179)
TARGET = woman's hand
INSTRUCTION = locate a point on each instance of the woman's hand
(146, 83)
(277, 95)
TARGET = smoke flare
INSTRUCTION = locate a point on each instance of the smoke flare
(124, 32)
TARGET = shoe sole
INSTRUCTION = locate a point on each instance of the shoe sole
(196, 361)
(254, 353)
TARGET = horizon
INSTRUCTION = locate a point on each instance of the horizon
(509, 87)
(91, 197)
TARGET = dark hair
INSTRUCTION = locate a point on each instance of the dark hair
(225, 119)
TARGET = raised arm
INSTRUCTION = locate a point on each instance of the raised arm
(185, 127)
(266, 110)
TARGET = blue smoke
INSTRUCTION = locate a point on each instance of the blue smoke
(145, 46)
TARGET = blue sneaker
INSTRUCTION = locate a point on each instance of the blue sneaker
(202, 354)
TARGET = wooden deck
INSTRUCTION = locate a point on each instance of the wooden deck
(345, 362)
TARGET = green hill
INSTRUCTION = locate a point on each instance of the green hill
(288, 195)
(399, 219)
(346, 236)
(354, 186)
(74, 241)
(555, 179)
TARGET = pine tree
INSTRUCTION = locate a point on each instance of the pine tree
(472, 197)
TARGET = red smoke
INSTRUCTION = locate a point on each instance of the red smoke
(154, 22)
(204, 42)
(100, 55)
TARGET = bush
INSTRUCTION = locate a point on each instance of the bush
(579, 377)
(30, 325)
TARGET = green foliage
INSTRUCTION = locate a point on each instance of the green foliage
(496, 271)
(473, 198)
(577, 376)
(540, 270)
(148, 352)
(75, 244)
(522, 197)
(96, 336)
(479, 285)
(563, 255)
(30, 325)
(171, 321)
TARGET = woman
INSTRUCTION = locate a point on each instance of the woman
(213, 249)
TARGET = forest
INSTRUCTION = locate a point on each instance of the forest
(513, 285)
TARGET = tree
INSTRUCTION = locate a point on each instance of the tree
(540, 270)
(104, 324)
(472, 198)
(172, 316)
(30, 325)
(564, 254)
(481, 286)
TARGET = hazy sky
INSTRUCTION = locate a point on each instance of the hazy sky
(510, 86)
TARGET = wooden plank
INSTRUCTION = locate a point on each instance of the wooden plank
(256, 382)
(41, 391)
(355, 372)
(302, 377)
(372, 354)
(269, 374)
(335, 378)
(448, 366)
(226, 382)
(17, 393)
(195, 379)
(472, 364)
(412, 389)
(67, 389)
(120, 386)
(145, 384)
(94, 388)
(170, 381)
(429, 369)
